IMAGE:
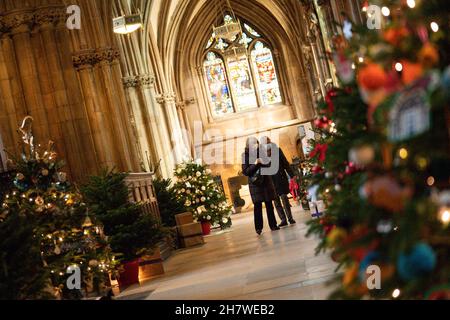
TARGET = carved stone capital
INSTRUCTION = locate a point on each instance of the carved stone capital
(166, 98)
(20, 21)
(106, 55)
(181, 105)
(83, 59)
(50, 16)
(143, 81)
(130, 82)
(89, 58)
(16, 22)
(147, 80)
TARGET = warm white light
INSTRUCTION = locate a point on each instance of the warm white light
(353, 66)
(396, 293)
(361, 59)
(385, 11)
(411, 3)
(444, 215)
(399, 67)
(127, 24)
(403, 153)
(434, 26)
(364, 9)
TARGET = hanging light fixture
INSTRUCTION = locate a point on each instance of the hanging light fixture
(127, 23)
(230, 28)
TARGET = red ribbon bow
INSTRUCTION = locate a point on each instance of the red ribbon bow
(321, 150)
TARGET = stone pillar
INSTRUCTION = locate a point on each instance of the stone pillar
(20, 25)
(98, 122)
(167, 102)
(117, 109)
(62, 127)
(12, 102)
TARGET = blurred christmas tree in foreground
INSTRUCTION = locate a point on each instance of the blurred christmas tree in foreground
(382, 159)
(45, 229)
(201, 195)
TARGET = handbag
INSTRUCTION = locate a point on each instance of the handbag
(257, 179)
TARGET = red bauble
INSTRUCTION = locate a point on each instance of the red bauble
(317, 169)
(350, 169)
(322, 123)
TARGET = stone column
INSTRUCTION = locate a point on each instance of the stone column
(116, 107)
(51, 22)
(20, 25)
(97, 120)
(13, 107)
(167, 102)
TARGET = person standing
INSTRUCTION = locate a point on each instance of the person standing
(281, 182)
(261, 186)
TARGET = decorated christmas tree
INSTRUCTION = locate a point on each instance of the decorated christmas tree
(201, 195)
(45, 230)
(381, 160)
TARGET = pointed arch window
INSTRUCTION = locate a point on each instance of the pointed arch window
(240, 74)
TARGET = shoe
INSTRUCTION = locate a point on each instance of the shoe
(283, 224)
(292, 221)
(276, 229)
(259, 232)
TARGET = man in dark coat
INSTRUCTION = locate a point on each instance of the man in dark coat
(281, 182)
(261, 186)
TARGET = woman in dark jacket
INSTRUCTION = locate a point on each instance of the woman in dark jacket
(261, 189)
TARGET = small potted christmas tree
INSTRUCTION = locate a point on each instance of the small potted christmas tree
(131, 232)
(201, 195)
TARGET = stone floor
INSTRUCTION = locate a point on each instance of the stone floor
(239, 265)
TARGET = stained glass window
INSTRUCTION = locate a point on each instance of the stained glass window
(252, 31)
(217, 82)
(266, 74)
(240, 72)
(221, 45)
(241, 83)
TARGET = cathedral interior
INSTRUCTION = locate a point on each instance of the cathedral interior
(161, 111)
(147, 100)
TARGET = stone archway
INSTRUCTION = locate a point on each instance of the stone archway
(183, 53)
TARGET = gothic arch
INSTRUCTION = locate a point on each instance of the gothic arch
(185, 50)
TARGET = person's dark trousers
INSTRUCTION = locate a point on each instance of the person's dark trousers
(287, 206)
(259, 222)
(280, 209)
